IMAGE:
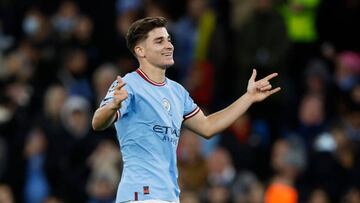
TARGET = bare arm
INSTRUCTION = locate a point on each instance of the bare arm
(257, 91)
(105, 116)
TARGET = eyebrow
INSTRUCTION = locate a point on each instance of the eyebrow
(161, 38)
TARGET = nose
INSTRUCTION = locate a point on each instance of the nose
(169, 45)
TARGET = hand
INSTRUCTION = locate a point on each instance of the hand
(261, 89)
(120, 93)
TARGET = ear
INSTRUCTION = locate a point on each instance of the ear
(139, 51)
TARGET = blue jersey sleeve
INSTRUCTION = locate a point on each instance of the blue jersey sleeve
(190, 108)
(126, 105)
(109, 95)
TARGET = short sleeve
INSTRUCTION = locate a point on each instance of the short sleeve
(109, 95)
(190, 108)
(125, 105)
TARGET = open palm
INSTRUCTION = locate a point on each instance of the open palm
(261, 89)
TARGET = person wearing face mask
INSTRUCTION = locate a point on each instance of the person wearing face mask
(31, 24)
(65, 20)
(36, 27)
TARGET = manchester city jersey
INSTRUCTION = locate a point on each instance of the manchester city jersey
(148, 130)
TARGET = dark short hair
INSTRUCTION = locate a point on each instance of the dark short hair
(139, 30)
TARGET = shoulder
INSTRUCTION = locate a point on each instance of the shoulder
(130, 77)
(175, 86)
(124, 78)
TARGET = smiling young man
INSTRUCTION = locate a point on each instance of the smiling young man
(149, 110)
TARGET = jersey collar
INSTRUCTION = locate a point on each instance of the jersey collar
(145, 77)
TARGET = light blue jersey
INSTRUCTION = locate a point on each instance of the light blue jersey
(148, 131)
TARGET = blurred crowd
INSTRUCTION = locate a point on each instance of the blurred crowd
(58, 59)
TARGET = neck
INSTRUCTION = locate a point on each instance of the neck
(155, 74)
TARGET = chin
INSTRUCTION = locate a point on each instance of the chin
(168, 65)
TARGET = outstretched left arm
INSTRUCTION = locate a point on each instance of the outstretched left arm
(257, 91)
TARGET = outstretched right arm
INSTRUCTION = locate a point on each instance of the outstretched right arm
(105, 115)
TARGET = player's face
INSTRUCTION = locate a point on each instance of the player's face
(158, 49)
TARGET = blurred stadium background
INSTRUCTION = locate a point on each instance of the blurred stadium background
(58, 58)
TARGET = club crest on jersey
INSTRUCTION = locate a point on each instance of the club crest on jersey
(166, 104)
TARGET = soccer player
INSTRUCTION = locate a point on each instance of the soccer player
(149, 109)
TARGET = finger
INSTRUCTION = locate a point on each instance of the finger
(120, 93)
(119, 79)
(121, 96)
(265, 88)
(274, 91)
(271, 76)
(124, 96)
(253, 76)
(120, 85)
(262, 83)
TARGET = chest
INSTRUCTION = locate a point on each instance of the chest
(160, 105)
